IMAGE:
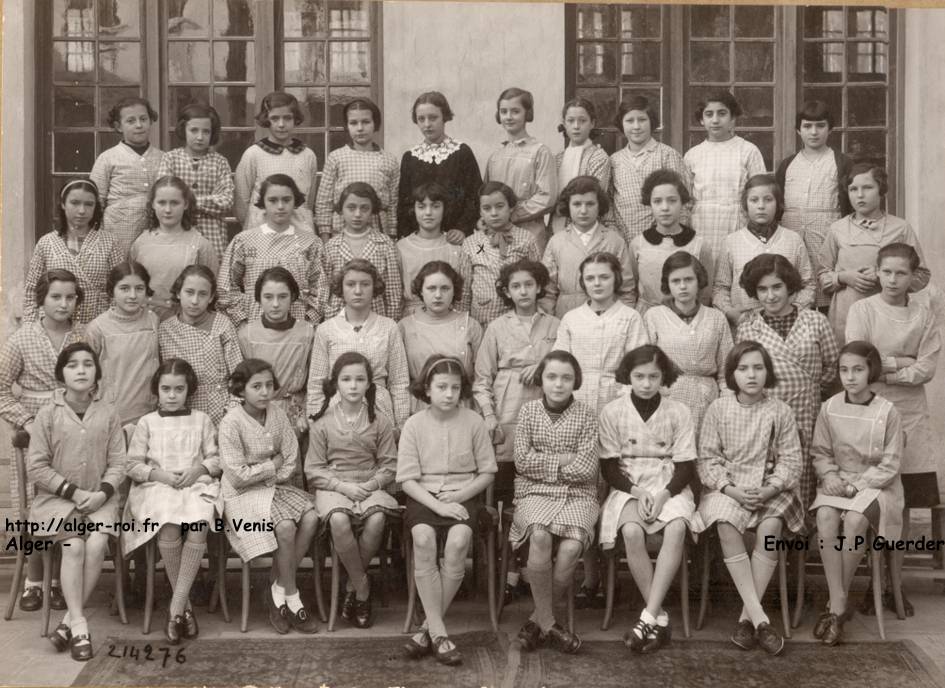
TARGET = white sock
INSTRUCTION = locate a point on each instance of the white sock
(646, 617)
(278, 595)
(511, 578)
(294, 602)
(662, 619)
(32, 584)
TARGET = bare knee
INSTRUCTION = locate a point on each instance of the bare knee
(457, 543)
(309, 520)
(73, 550)
(374, 524)
(569, 551)
(828, 520)
(633, 536)
(424, 541)
(96, 546)
(285, 532)
(854, 523)
(540, 542)
(340, 524)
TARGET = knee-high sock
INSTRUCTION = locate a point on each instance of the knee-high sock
(430, 590)
(190, 557)
(542, 583)
(740, 569)
(170, 554)
(450, 580)
(762, 568)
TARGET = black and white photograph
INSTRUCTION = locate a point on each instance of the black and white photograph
(426, 343)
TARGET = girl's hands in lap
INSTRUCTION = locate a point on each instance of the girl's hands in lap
(354, 492)
(453, 510)
(190, 476)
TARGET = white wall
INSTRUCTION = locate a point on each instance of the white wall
(470, 52)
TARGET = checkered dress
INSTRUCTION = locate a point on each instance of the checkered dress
(647, 259)
(698, 348)
(630, 170)
(253, 490)
(28, 360)
(739, 248)
(124, 179)
(559, 499)
(346, 165)
(251, 253)
(416, 252)
(257, 164)
(598, 342)
(382, 253)
(719, 171)
(98, 254)
(750, 446)
(487, 262)
(213, 355)
(211, 180)
(380, 341)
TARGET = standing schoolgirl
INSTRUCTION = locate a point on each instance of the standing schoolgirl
(78, 245)
(524, 164)
(125, 172)
(259, 455)
(168, 246)
(428, 243)
(357, 327)
(174, 469)
(496, 243)
(28, 360)
(846, 266)
(800, 343)
(856, 452)
(444, 160)
(555, 494)
(648, 455)
(444, 463)
(906, 333)
(581, 204)
(749, 464)
(812, 179)
(438, 326)
(125, 339)
(202, 337)
(719, 167)
(278, 241)
(357, 204)
(665, 193)
(203, 170)
(77, 462)
(352, 458)
(278, 153)
(281, 340)
(361, 160)
(638, 119)
(581, 156)
(763, 203)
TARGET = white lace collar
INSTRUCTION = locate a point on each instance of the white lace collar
(435, 152)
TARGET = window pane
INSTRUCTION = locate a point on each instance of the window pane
(303, 18)
(823, 22)
(312, 101)
(181, 96)
(191, 18)
(823, 62)
(233, 17)
(236, 105)
(119, 63)
(605, 102)
(640, 22)
(757, 106)
(610, 141)
(709, 62)
(709, 21)
(695, 138)
(765, 142)
(867, 145)
(597, 63)
(74, 61)
(315, 141)
(832, 96)
(754, 61)
(73, 152)
(118, 18)
(70, 18)
(337, 139)
(754, 22)
(234, 61)
(233, 144)
(109, 97)
(866, 61)
(188, 62)
(340, 95)
(640, 61)
(596, 21)
(74, 107)
(867, 22)
(350, 62)
(349, 19)
(304, 63)
(866, 106)
(107, 139)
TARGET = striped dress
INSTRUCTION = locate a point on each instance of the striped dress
(346, 165)
(257, 164)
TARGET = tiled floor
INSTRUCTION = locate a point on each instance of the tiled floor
(31, 660)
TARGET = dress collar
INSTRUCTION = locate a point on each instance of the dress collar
(270, 146)
(286, 324)
(435, 153)
(655, 237)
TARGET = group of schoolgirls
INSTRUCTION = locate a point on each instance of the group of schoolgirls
(602, 365)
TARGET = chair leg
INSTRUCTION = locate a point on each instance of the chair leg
(121, 575)
(47, 585)
(895, 582)
(318, 563)
(221, 576)
(684, 589)
(335, 588)
(151, 563)
(783, 590)
(704, 593)
(17, 579)
(877, 563)
(411, 584)
(801, 588)
(244, 621)
(938, 533)
(490, 579)
(503, 576)
(611, 584)
(571, 607)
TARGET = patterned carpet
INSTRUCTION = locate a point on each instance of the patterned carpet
(491, 661)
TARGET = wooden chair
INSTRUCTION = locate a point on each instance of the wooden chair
(613, 561)
(707, 551)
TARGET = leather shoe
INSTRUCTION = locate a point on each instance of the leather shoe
(769, 639)
(61, 637)
(56, 600)
(31, 599)
(189, 628)
(833, 631)
(418, 645)
(659, 638)
(81, 647)
(445, 652)
(563, 640)
(744, 635)
(363, 617)
(172, 629)
(277, 615)
(302, 621)
(529, 636)
(821, 626)
(347, 606)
